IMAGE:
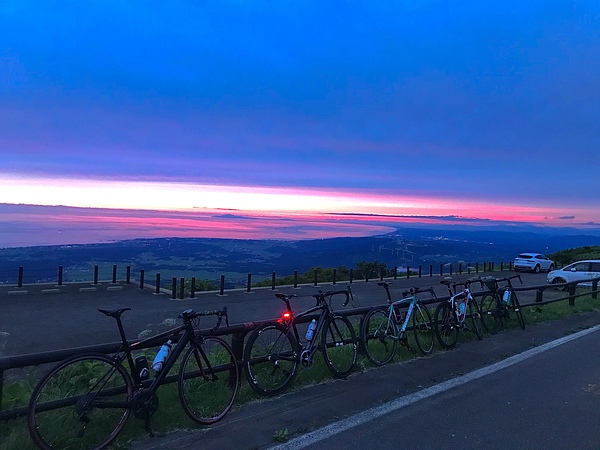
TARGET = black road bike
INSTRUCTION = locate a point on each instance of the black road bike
(274, 350)
(496, 306)
(84, 402)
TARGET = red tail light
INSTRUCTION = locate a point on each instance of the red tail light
(286, 317)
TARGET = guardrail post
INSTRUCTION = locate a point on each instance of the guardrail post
(316, 277)
(249, 283)
(96, 274)
(296, 278)
(572, 288)
(476, 267)
(539, 295)
(441, 270)
(484, 267)
(142, 280)
(407, 272)
(510, 266)
(395, 272)
(193, 288)
(181, 288)
(237, 347)
(420, 270)
(60, 275)
(430, 270)
(367, 276)
(595, 289)
(351, 273)
(20, 277)
(157, 289)
(222, 288)
(501, 266)
(114, 274)
(128, 275)
(381, 274)
(334, 276)
(174, 290)
(273, 281)
(450, 269)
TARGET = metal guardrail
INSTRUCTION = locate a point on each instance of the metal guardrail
(239, 331)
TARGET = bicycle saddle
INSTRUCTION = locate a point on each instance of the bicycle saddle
(116, 313)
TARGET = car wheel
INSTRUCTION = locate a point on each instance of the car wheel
(558, 280)
(537, 268)
(551, 268)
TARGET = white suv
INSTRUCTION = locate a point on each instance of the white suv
(533, 261)
(578, 271)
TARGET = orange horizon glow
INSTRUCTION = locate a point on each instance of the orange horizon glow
(308, 203)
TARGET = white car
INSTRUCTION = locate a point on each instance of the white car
(577, 271)
(534, 262)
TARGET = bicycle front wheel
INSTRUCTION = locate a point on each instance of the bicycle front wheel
(83, 403)
(208, 380)
(491, 314)
(339, 346)
(271, 359)
(476, 321)
(446, 326)
(516, 306)
(423, 328)
(378, 336)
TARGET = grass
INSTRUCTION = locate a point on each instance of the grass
(170, 415)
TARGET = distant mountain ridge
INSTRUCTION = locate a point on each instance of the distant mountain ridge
(209, 258)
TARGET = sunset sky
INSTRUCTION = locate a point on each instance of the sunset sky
(344, 116)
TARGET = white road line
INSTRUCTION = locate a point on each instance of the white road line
(373, 413)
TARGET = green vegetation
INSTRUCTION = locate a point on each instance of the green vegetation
(564, 257)
(281, 435)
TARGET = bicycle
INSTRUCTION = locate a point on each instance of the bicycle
(451, 315)
(274, 349)
(496, 306)
(380, 333)
(85, 400)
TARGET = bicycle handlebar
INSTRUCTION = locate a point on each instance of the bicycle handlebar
(320, 296)
(190, 314)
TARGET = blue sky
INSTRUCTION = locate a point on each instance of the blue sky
(474, 109)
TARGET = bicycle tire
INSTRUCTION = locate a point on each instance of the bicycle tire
(379, 336)
(271, 359)
(490, 313)
(339, 354)
(423, 329)
(446, 326)
(475, 317)
(64, 408)
(208, 380)
(516, 306)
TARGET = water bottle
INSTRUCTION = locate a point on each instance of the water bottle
(311, 330)
(161, 356)
(506, 296)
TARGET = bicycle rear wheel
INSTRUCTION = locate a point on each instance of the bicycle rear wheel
(339, 346)
(271, 357)
(491, 314)
(516, 306)
(208, 380)
(423, 328)
(476, 322)
(378, 336)
(82, 403)
(446, 326)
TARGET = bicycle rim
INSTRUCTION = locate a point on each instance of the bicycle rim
(379, 336)
(491, 314)
(83, 403)
(208, 380)
(446, 328)
(271, 359)
(475, 317)
(423, 329)
(339, 346)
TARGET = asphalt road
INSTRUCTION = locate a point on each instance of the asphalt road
(44, 318)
